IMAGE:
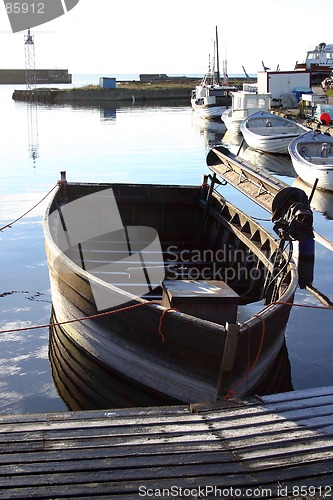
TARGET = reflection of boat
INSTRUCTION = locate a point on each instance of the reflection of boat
(312, 157)
(217, 272)
(274, 164)
(84, 384)
(232, 140)
(322, 201)
(270, 133)
(212, 131)
(210, 98)
(245, 103)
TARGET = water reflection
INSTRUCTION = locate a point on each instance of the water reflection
(84, 384)
(33, 131)
(276, 164)
(212, 132)
(108, 113)
(322, 201)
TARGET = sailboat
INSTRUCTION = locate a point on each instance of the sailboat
(211, 98)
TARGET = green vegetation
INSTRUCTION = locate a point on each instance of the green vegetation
(158, 85)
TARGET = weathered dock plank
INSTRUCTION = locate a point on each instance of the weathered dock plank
(261, 447)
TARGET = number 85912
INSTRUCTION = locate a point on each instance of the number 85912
(25, 8)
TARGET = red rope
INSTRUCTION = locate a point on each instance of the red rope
(93, 316)
(161, 320)
(126, 308)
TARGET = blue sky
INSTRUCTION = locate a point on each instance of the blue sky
(173, 37)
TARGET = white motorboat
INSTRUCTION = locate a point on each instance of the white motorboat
(312, 157)
(245, 103)
(270, 133)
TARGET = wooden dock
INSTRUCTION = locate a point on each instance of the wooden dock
(269, 448)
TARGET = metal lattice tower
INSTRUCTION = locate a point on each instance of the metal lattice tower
(30, 71)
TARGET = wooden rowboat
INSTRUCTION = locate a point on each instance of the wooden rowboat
(183, 309)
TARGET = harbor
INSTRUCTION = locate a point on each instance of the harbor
(166, 238)
(109, 121)
(50, 451)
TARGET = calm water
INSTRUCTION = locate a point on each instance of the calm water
(158, 144)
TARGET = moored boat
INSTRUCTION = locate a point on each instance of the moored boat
(245, 103)
(270, 133)
(179, 286)
(312, 158)
(211, 98)
(319, 61)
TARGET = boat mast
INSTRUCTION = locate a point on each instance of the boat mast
(217, 57)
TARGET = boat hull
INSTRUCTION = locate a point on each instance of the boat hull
(270, 139)
(309, 160)
(208, 112)
(171, 355)
(232, 124)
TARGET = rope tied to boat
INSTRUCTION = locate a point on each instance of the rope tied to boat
(114, 311)
(30, 210)
(161, 320)
(97, 315)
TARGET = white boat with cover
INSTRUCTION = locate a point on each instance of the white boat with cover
(312, 157)
(244, 104)
(270, 133)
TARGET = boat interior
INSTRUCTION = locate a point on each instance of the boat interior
(267, 126)
(318, 153)
(203, 239)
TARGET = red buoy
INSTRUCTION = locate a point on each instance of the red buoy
(325, 118)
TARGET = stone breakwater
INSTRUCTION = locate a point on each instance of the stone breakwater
(57, 96)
